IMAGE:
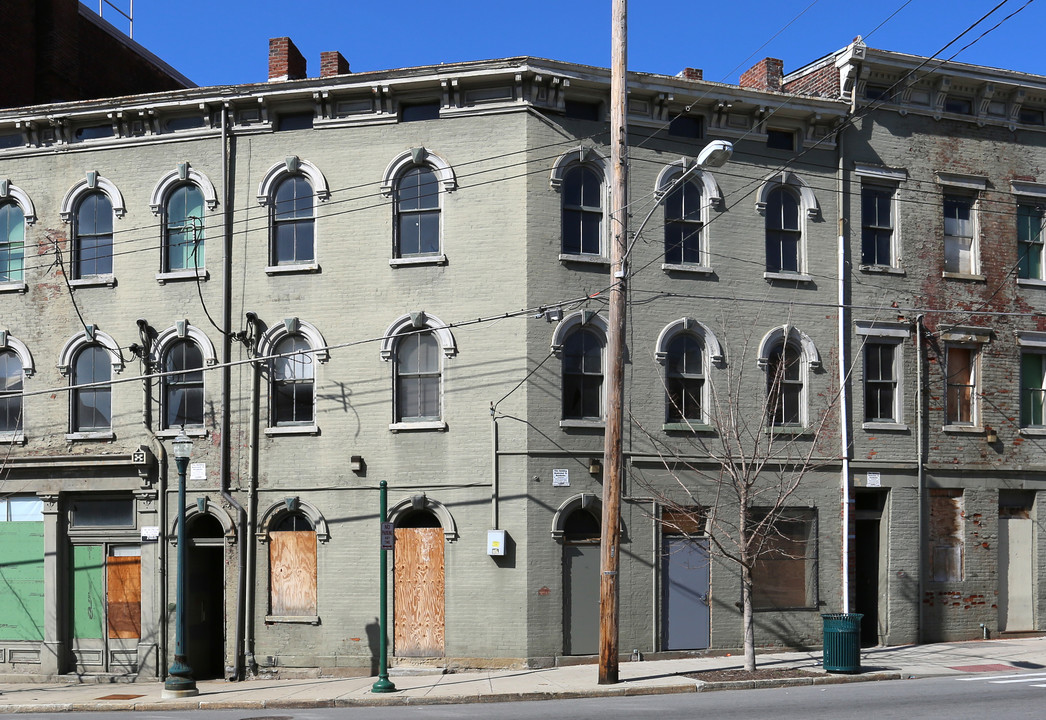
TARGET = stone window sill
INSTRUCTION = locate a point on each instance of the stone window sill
(882, 269)
(789, 430)
(963, 429)
(589, 259)
(1033, 431)
(293, 430)
(431, 425)
(300, 619)
(175, 432)
(291, 269)
(582, 423)
(13, 287)
(880, 426)
(694, 427)
(687, 268)
(440, 259)
(791, 277)
(12, 438)
(93, 435)
(93, 281)
(971, 277)
(1031, 282)
(182, 275)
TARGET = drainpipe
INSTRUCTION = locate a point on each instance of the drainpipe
(844, 388)
(921, 473)
(494, 471)
(224, 440)
(252, 515)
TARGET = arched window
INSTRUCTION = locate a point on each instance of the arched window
(11, 375)
(91, 406)
(183, 391)
(684, 226)
(582, 211)
(12, 242)
(183, 229)
(418, 201)
(783, 232)
(93, 236)
(292, 395)
(685, 379)
(418, 377)
(581, 526)
(583, 375)
(784, 385)
(292, 567)
(293, 222)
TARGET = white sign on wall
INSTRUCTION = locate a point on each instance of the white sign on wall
(873, 480)
(197, 471)
(561, 478)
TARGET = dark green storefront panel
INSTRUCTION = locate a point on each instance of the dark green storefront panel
(88, 592)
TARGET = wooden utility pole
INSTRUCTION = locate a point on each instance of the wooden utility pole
(613, 461)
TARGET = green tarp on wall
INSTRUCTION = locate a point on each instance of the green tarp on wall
(21, 581)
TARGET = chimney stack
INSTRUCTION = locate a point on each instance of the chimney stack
(333, 63)
(285, 60)
(764, 75)
(689, 73)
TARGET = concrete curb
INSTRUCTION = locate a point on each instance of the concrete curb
(396, 700)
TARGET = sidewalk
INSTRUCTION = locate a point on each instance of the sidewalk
(637, 678)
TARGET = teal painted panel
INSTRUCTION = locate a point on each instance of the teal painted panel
(21, 581)
(88, 592)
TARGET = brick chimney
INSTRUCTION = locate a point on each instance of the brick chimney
(764, 75)
(689, 73)
(333, 63)
(285, 60)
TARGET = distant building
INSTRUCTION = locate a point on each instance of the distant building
(60, 51)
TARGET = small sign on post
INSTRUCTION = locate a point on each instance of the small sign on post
(388, 535)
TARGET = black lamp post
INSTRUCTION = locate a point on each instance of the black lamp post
(180, 682)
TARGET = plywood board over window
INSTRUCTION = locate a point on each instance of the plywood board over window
(124, 596)
(292, 563)
(419, 586)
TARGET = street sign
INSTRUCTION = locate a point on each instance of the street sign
(388, 536)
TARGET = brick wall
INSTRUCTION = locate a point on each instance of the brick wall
(764, 75)
(823, 82)
(285, 60)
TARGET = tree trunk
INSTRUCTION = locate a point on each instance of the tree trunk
(746, 609)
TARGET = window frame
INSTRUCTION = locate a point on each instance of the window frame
(808, 208)
(955, 241)
(565, 328)
(884, 333)
(17, 196)
(8, 241)
(972, 419)
(268, 347)
(71, 203)
(1038, 243)
(1032, 343)
(422, 377)
(102, 240)
(280, 219)
(399, 214)
(293, 166)
(876, 228)
(711, 356)
(199, 264)
(274, 527)
(405, 325)
(12, 387)
(76, 426)
(570, 379)
(778, 340)
(170, 383)
(590, 159)
(172, 181)
(586, 214)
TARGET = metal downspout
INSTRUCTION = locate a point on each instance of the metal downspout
(252, 517)
(226, 422)
(844, 388)
(921, 474)
(495, 477)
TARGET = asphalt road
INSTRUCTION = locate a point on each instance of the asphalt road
(956, 698)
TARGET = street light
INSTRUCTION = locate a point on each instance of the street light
(180, 682)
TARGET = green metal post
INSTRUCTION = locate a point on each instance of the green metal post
(180, 682)
(383, 684)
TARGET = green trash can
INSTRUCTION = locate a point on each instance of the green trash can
(842, 642)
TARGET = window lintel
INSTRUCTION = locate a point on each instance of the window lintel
(21, 198)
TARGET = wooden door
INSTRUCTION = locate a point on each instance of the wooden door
(418, 593)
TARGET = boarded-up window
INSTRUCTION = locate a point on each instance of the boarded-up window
(123, 570)
(683, 521)
(785, 570)
(946, 535)
(292, 568)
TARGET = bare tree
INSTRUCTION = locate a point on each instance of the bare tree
(735, 478)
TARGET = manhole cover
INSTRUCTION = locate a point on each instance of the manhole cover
(119, 697)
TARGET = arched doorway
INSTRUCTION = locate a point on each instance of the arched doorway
(581, 532)
(418, 588)
(205, 596)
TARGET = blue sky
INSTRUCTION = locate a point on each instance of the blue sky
(216, 42)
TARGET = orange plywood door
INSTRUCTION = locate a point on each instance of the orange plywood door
(292, 559)
(124, 596)
(419, 584)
